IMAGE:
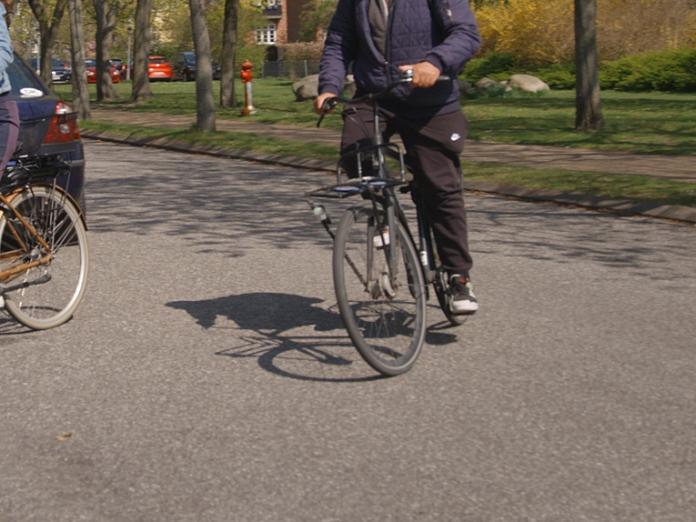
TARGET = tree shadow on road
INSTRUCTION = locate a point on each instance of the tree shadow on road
(289, 335)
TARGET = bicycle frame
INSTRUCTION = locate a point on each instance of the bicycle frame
(8, 274)
(24, 173)
(378, 151)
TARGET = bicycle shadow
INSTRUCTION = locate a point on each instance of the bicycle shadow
(275, 327)
(9, 327)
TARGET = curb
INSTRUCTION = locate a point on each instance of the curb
(623, 207)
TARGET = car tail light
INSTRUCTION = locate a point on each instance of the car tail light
(63, 125)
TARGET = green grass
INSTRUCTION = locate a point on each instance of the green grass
(653, 122)
(234, 141)
(638, 188)
(633, 187)
(660, 123)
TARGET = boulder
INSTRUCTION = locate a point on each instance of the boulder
(485, 84)
(527, 83)
(306, 88)
(465, 88)
(349, 87)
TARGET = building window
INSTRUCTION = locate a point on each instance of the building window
(266, 35)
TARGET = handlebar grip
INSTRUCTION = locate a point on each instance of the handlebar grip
(407, 77)
(328, 105)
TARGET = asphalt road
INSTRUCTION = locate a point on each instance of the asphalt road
(206, 376)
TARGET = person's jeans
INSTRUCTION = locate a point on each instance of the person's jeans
(9, 130)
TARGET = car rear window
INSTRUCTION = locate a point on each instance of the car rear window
(21, 77)
(157, 60)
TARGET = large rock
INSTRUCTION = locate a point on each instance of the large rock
(466, 89)
(349, 87)
(486, 84)
(527, 83)
(306, 88)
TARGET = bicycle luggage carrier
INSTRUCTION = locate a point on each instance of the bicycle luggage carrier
(354, 186)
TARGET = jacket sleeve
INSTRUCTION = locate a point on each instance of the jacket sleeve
(6, 56)
(461, 35)
(339, 48)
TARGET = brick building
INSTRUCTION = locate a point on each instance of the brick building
(283, 21)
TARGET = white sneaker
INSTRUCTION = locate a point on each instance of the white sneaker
(463, 299)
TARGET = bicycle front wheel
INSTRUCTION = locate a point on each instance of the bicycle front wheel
(46, 295)
(382, 304)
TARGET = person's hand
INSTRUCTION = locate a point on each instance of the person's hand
(319, 100)
(425, 74)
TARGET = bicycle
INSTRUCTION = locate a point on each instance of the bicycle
(44, 260)
(380, 273)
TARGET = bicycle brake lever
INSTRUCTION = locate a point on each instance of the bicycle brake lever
(326, 107)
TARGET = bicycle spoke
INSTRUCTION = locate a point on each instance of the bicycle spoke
(46, 295)
(383, 311)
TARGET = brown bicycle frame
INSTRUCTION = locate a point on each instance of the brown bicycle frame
(8, 274)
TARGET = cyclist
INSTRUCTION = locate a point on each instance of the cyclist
(382, 39)
(9, 116)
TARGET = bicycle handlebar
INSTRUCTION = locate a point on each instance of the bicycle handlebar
(331, 103)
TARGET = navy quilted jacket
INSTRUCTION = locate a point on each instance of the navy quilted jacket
(442, 32)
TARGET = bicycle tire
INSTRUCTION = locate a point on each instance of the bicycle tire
(384, 319)
(40, 304)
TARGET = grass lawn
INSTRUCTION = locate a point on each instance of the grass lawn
(638, 188)
(652, 122)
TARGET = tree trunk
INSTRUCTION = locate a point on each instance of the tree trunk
(48, 30)
(77, 55)
(205, 106)
(588, 106)
(106, 23)
(141, 83)
(229, 46)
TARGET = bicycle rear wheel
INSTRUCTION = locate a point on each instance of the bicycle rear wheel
(47, 295)
(383, 312)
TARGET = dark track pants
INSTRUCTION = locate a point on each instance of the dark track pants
(9, 130)
(433, 146)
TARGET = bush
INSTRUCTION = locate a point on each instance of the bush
(301, 51)
(488, 66)
(560, 76)
(661, 71)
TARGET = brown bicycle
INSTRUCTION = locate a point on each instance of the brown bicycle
(43, 243)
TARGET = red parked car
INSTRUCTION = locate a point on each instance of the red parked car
(159, 68)
(91, 66)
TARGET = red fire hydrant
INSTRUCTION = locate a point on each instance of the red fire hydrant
(247, 76)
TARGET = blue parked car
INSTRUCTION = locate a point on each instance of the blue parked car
(60, 71)
(48, 125)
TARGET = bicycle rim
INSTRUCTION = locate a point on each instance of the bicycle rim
(384, 315)
(45, 296)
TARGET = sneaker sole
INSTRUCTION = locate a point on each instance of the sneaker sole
(468, 309)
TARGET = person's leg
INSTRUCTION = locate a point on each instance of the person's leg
(439, 180)
(438, 174)
(9, 130)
